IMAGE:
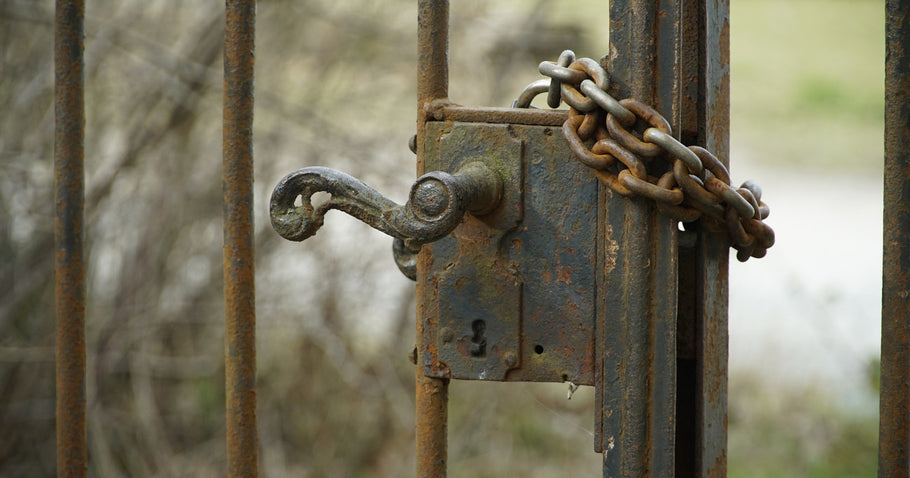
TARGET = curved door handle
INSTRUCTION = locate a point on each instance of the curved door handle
(436, 204)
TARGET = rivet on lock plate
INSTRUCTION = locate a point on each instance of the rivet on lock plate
(510, 294)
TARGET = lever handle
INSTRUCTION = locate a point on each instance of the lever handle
(436, 204)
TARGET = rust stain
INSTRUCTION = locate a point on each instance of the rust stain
(718, 469)
(431, 425)
(564, 274)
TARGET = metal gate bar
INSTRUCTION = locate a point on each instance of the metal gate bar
(894, 434)
(675, 55)
(701, 434)
(637, 382)
(237, 182)
(69, 265)
(432, 394)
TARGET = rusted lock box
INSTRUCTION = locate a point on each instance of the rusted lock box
(552, 278)
(510, 295)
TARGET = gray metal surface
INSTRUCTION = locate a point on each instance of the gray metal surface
(526, 271)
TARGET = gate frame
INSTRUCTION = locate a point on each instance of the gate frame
(701, 352)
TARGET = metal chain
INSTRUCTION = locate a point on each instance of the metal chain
(620, 140)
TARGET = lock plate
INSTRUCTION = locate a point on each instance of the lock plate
(510, 296)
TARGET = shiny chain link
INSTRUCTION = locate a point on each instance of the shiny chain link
(620, 141)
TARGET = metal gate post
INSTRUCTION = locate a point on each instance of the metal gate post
(637, 382)
(701, 435)
(432, 394)
(894, 434)
(674, 55)
(237, 182)
(69, 200)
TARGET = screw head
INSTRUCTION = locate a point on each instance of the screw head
(510, 359)
(446, 334)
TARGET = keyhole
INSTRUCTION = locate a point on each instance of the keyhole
(478, 341)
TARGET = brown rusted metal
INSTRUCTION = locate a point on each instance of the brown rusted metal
(636, 379)
(894, 434)
(69, 233)
(431, 425)
(704, 258)
(445, 112)
(432, 84)
(239, 296)
(740, 208)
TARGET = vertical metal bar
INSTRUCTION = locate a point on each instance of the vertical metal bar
(69, 200)
(704, 260)
(713, 258)
(432, 394)
(637, 376)
(894, 432)
(237, 183)
(432, 63)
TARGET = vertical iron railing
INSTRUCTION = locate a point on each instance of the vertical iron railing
(701, 436)
(674, 56)
(637, 383)
(432, 394)
(894, 435)
(69, 200)
(237, 182)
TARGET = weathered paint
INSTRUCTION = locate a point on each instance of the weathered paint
(69, 233)
(894, 434)
(239, 293)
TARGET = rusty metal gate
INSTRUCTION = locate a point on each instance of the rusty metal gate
(608, 293)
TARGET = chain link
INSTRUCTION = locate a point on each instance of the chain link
(620, 141)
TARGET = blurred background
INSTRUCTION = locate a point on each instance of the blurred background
(335, 86)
